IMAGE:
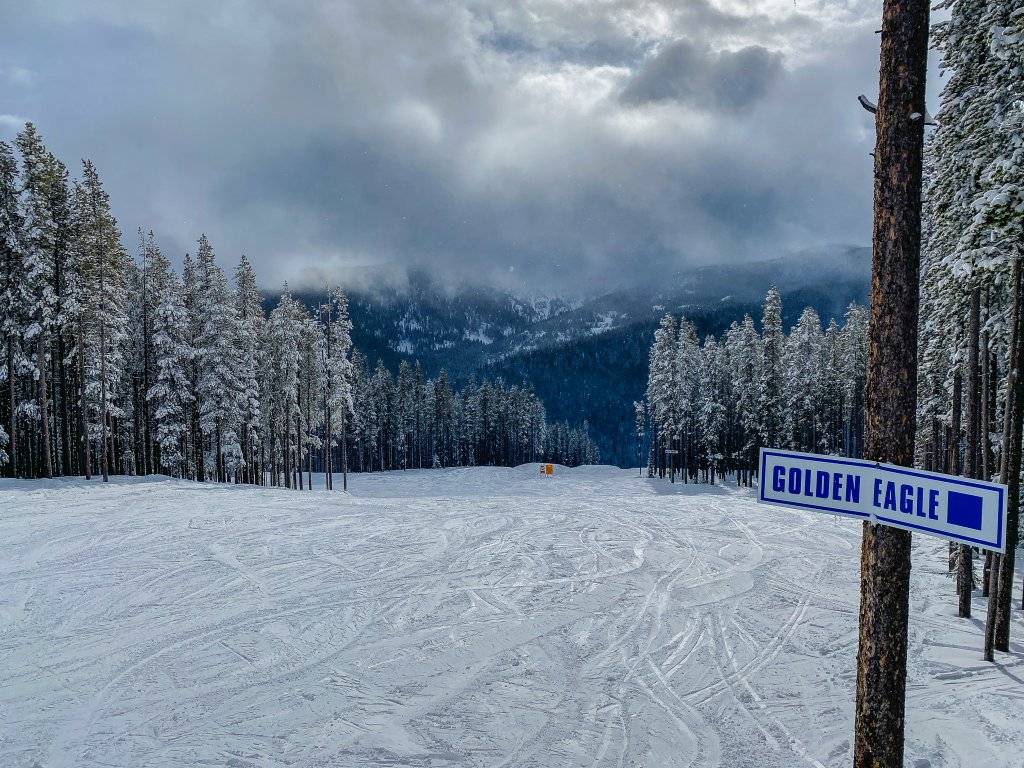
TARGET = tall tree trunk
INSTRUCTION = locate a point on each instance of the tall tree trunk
(285, 449)
(65, 407)
(44, 410)
(57, 454)
(997, 625)
(104, 421)
(892, 378)
(328, 437)
(147, 432)
(12, 402)
(965, 555)
(344, 452)
(309, 433)
(987, 375)
(197, 445)
(985, 418)
(137, 426)
(956, 429)
(219, 460)
(83, 408)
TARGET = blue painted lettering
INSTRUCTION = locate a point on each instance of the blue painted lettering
(794, 480)
(890, 496)
(779, 479)
(853, 488)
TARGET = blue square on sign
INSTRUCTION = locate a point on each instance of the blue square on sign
(963, 509)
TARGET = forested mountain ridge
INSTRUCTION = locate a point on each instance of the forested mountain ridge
(586, 358)
(413, 316)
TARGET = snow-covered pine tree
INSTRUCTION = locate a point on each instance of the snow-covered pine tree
(772, 396)
(312, 375)
(713, 395)
(250, 329)
(171, 391)
(45, 222)
(854, 344)
(383, 389)
(687, 378)
(104, 267)
(639, 428)
(661, 384)
(14, 300)
(339, 375)
(217, 364)
(363, 418)
(405, 414)
(831, 395)
(802, 363)
(745, 355)
(284, 335)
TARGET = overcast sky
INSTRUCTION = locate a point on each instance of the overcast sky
(561, 143)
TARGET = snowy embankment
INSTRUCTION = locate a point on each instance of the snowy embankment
(472, 617)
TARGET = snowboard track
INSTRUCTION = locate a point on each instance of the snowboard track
(473, 618)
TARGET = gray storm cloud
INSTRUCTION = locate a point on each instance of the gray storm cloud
(701, 78)
(556, 144)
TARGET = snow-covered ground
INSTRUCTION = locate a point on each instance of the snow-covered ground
(473, 617)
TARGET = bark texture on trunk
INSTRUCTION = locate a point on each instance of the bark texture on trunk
(972, 450)
(955, 467)
(44, 410)
(892, 378)
(997, 625)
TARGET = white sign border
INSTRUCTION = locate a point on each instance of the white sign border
(998, 546)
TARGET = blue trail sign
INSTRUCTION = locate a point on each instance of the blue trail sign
(967, 511)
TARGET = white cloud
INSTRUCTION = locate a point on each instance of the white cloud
(11, 124)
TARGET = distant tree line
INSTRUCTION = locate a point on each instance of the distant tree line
(409, 421)
(120, 365)
(712, 404)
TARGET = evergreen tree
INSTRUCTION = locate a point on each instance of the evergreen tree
(249, 354)
(14, 299)
(772, 396)
(104, 269)
(171, 391)
(217, 362)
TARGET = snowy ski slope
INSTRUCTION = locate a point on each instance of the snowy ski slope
(472, 617)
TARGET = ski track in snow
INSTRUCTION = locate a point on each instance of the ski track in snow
(465, 617)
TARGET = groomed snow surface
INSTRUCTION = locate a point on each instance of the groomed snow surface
(471, 617)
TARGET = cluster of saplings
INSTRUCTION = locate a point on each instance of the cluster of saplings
(969, 391)
(118, 364)
(712, 405)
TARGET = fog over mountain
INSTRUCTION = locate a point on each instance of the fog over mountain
(586, 357)
(549, 146)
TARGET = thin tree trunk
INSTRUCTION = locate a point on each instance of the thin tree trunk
(44, 410)
(984, 427)
(219, 461)
(83, 408)
(965, 557)
(12, 402)
(65, 409)
(147, 433)
(285, 449)
(997, 625)
(892, 379)
(344, 453)
(328, 437)
(104, 421)
(955, 467)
